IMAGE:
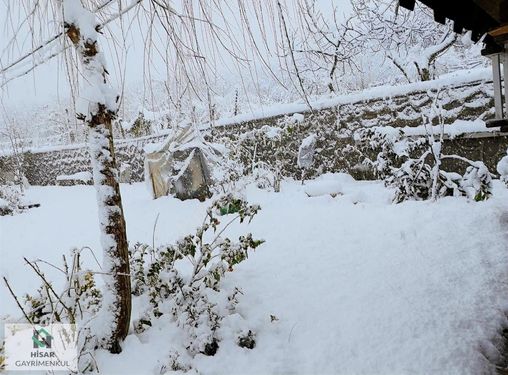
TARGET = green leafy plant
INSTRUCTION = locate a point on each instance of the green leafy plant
(187, 298)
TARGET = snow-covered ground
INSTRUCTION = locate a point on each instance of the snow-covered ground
(358, 285)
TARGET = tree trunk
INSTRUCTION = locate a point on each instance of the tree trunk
(98, 117)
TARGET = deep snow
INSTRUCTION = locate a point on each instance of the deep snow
(359, 285)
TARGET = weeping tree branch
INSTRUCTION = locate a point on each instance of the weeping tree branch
(290, 47)
(48, 42)
(60, 50)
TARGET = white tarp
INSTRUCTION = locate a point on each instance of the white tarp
(180, 165)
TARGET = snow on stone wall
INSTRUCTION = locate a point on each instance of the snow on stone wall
(42, 167)
(462, 108)
(467, 101)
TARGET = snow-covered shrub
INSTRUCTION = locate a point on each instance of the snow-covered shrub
(10, 199)
(412, 166)
(383, 148)
(267, 177)
(139, 126)
(231, 175)
(502, 168)
(77, 302)
(176, 362)
(477, 182)
(195, 301)
(80, 300)
(227, 176)
(414, 180)
(242, 164)
(411, 181)
(369, 142)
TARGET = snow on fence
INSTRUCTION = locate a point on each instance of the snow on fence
(392, 106)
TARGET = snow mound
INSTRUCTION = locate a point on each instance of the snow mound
(502, 166)
(331, 184)
(80, 176)
(343, 178)
(324, 187)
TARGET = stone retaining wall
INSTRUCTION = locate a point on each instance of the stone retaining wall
(468, 101)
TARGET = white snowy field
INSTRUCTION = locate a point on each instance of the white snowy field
(359, 285)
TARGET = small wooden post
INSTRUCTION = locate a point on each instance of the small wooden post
(505, 74)
(498, 95)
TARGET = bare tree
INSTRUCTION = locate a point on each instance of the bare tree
(17, 145)
(412, 41)
(328, 43)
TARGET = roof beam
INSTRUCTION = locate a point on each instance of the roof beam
(497, 9)
(408, 4)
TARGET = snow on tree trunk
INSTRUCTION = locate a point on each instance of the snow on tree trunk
(98, 109)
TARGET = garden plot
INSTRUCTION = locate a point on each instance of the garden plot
(344, 284)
